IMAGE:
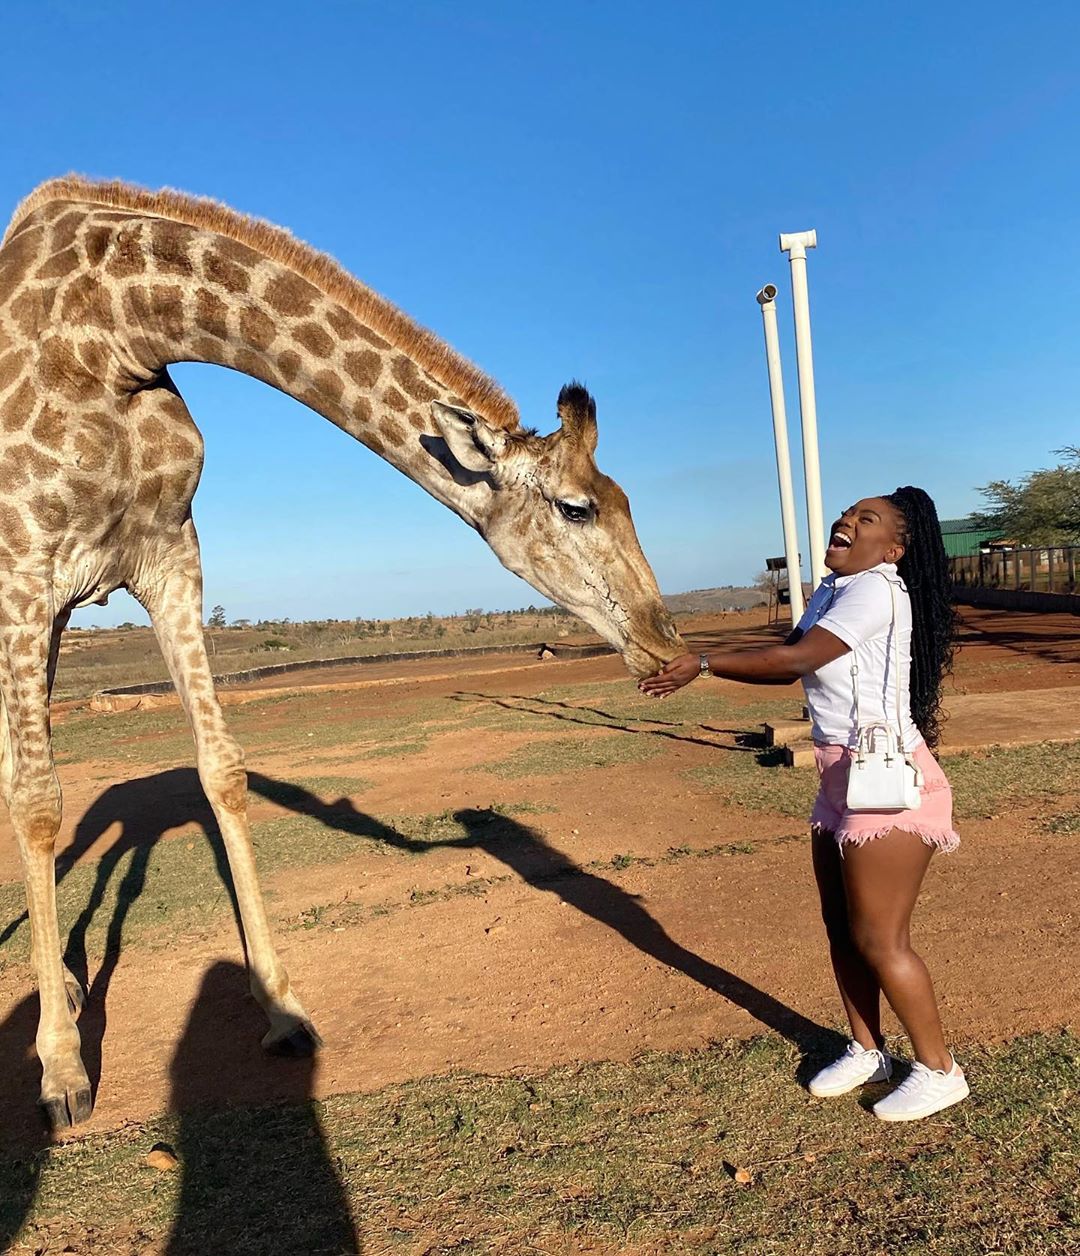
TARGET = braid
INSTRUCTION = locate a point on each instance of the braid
(924, 568)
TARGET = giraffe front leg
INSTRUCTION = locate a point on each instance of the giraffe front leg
(33, 794)
(174, 602)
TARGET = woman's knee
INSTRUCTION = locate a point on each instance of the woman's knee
(879, 945)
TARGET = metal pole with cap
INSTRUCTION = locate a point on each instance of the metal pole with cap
(766, 299)
(795, 245)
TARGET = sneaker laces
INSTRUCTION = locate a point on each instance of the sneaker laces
(918, 1076)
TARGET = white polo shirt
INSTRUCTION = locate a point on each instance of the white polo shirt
(858, 610)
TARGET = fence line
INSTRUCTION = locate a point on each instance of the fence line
(1034, 569)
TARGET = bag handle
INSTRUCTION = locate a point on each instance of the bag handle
(896, 678)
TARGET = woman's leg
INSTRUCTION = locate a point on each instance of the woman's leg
(881, 882)
(859, 989)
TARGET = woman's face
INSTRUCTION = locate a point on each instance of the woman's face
(865, 535)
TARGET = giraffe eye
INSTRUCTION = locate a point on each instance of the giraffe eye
(576, 512)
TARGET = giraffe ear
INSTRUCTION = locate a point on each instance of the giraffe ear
(473, 442)
(577, 412)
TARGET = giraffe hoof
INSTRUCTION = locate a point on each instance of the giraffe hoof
(302, 1041)
(71, 1108)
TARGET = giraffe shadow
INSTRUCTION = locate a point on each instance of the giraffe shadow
(229, 1024)
(524, 850)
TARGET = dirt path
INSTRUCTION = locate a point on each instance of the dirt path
(598, 929)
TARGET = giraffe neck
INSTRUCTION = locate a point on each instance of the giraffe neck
(182, 294)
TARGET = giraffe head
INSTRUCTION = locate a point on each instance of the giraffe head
(558, 522)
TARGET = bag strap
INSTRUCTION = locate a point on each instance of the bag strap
(896, 671)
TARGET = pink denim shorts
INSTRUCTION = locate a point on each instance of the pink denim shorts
(932, 820)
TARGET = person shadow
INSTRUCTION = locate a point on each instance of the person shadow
(256, 1178)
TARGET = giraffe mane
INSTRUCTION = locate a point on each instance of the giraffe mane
(432, 354)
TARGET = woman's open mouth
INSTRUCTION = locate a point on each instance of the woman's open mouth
(839, 541)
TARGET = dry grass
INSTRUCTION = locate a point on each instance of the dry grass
(615, 1157)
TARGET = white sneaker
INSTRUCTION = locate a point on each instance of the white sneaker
(855, 1067)
(922, 1093)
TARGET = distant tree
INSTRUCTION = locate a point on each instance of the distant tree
(125, 627)
(1042, 508)
(241, 623)
(217, 618)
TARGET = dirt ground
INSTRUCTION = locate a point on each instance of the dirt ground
(584, 938)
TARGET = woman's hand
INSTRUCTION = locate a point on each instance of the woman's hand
(680, 671)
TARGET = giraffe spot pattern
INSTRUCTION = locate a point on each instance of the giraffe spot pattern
(405, 372)
(60, 369)
(50, 511)
(49, 428)
(94, 356)
(342, 323)
(65, 229)
(87, 302)
(291, 295)
(96, 242)
(373, 338)
(18, 408)
(330, 385)
(252, 363)
(313, 338)
(14, 538)
(392, 430)
(363, 367)
(28, 313)
(127, 257)
(16, 259)
(257, 328)
(228, 275)
(288, 364)
(12, 366)
(59, 265)
(210, 314)
(167, 304)
(394, 400)
(170, 243)
(205, 349)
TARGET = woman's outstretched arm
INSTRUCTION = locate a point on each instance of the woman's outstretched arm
(770, 665)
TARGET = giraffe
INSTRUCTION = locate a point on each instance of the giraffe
(102, 287)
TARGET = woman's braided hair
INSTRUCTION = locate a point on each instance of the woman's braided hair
(924, 568)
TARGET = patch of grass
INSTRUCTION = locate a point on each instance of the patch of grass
(751, 782)
(127, 737)
(326, 787)
(1063, 822)
(984, 782)
(176, 885)
(113, 902)
(987, 782)
(601, 1157)
(557, 756)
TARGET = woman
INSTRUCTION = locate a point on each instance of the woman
(869, 867)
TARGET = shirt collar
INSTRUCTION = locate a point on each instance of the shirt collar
(888, 570)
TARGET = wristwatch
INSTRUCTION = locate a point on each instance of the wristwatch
(703, 665)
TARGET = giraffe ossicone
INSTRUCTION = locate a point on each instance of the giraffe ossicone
(102, 287)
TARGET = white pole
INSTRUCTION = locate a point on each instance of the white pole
(766, 298)
(795, 245)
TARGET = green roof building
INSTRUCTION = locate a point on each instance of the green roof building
(962, 537)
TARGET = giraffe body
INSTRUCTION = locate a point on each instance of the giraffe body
(102, 287)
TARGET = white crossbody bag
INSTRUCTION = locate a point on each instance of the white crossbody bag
(883, 777)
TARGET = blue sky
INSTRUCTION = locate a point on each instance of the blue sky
(594, 190)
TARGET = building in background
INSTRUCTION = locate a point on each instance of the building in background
(962, 537)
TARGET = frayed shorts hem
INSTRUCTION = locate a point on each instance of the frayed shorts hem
(931, 821)
(946, 841)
